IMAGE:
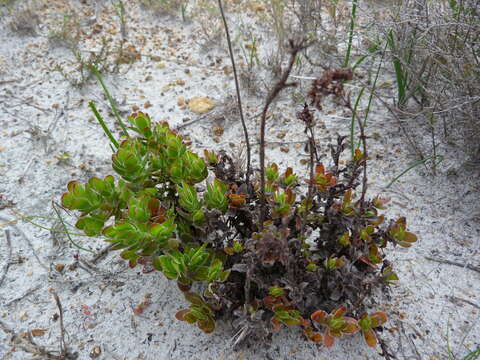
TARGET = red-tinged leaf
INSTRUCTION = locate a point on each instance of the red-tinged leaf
(312, 335)
(339, 312)
(190, 318)
(193, 298)
(292, 321)
(380, 202)
(370, 337)
(141, 307)
(335, 333)
(405, 244)
(410, 237)
(229, 251)
(71, 185)
(366, 261)
(378, 318)
(319, 316)
(270, 301)
(276, 324)
(347, 198)
(288, 172)
(320, 169)
(351, 325)
(180, 315)
(328, 340)
(207, 325)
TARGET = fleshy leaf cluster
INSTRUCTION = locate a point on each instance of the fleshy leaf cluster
(301, 251)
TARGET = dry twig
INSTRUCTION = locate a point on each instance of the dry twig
(63, 345)
(237, 87)
(295, 48)
(450, 262)
(9, 258)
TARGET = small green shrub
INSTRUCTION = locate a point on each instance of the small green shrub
(319, 252)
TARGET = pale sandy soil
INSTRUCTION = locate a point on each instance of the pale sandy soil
(42, 116)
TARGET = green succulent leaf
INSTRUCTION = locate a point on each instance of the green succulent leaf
(215, 196)
(187, 198)
(141, 123)
(166, 265)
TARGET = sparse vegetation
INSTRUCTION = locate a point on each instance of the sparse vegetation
(24, 19)
(435, 55)
(107, 58)
(277, 227)
(265, 250)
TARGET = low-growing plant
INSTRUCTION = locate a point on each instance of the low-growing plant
(318, 252)
(268, 248)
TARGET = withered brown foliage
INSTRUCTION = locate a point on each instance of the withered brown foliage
(330, 83)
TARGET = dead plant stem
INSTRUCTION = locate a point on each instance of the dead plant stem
(9, 258)
(281, 84)
(237, 88)
(450, 262)
(63, 346)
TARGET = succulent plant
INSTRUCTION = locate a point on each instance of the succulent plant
(199, 220)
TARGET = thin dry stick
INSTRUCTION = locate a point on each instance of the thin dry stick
(63, 346)
(457, 299)
(23, 296)
(9, 258)
(281, 84)
(237, 87)
(101, 254)
(450, 262)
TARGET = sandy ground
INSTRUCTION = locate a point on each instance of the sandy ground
(48, 137)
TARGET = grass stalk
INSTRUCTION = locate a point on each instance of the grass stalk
(110, 99)
(29, 220)
(350, 33)
(352, 124)
(414, 165)
(400, 75)
(102, 124)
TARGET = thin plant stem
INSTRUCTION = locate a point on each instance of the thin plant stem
(102, 124)
(237, 88)
(374, 86)
(29, 220)
(414, 165)
(364, 163)
(110, 100)
(350, 35)
(295, 48)
(352, 124)
(68, 234)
